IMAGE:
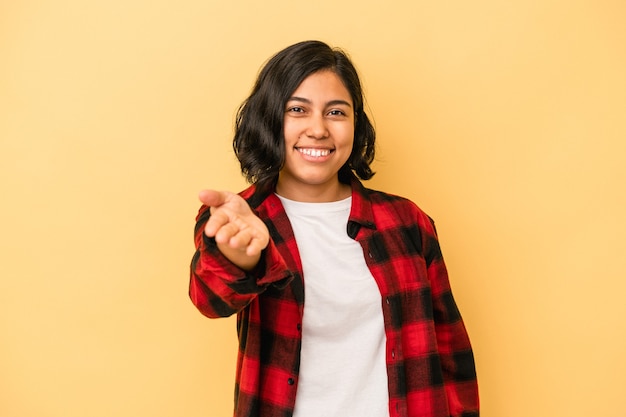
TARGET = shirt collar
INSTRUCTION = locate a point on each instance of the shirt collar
(361, 211)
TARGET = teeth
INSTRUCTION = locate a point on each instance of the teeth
(314, 152)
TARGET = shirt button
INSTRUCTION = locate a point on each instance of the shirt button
(393, 354)
(387, 300)
(299, 326)
(370, 254)
(290, 381)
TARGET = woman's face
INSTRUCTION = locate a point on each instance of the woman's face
(319, 134)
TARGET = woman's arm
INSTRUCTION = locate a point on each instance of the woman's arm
(235, 259)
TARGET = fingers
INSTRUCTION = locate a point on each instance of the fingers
(217, 220)
(247, 241)
(239, 236)
(213, 198)
(256, 246)
(220, 215)
(239, 233)
(230, 227)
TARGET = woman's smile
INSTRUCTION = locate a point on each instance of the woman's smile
(314, 152)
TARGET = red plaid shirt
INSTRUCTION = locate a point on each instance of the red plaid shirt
(430, 364)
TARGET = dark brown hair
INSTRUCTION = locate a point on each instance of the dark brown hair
(259, 139)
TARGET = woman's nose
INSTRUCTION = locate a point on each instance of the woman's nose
(317, 127)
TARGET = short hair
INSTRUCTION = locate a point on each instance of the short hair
(259, 138)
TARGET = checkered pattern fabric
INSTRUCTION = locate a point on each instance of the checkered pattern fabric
(430, 364)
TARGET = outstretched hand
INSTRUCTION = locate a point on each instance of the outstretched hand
(239, 233)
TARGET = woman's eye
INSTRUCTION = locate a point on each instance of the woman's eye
(336, 113)
(296, 109)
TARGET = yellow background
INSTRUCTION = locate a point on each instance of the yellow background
(504, 120)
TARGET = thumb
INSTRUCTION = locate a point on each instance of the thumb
(212, 198)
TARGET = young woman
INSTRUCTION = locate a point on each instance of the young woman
(343, 302)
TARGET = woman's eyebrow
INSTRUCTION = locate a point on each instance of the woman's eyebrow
(330, 103)
(300, 99)
(338, 103)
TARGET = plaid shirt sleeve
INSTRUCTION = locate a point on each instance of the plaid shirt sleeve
(218, 288)
(268, 302)
(430, 362)
(455, 352)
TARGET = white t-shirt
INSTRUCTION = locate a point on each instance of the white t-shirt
(342, 369)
